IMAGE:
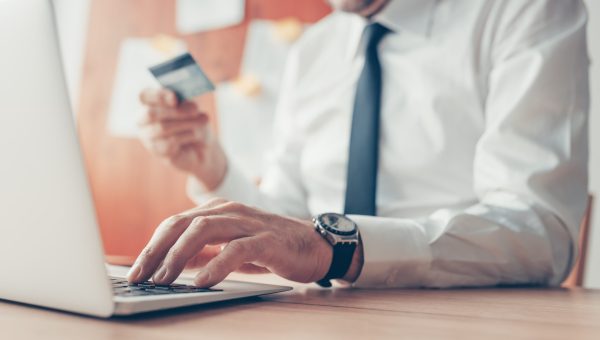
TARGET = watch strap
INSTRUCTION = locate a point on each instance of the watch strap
(340, 263)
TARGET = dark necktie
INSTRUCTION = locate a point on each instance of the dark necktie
(361, 183)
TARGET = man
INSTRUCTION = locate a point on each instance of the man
(453, 134)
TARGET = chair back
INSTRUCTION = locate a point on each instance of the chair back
(575, 279)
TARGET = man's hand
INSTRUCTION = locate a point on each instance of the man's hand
(179, 133)
(285, 246)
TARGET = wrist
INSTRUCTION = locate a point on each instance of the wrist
(342, 235)
(324, 258)
(213, 172)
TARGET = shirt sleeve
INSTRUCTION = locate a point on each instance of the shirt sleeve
(530, 169)
(281, 190)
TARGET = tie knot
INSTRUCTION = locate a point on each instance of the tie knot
(373, 34)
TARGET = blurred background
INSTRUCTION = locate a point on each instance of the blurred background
(242, 46)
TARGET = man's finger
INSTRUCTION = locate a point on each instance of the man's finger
(213, 202)
(183, 111)
(201, 259)
(249, 268)
(166, 141)
(168, 128)
(235, 254)
(164, 238)
(158, 97)
(169, 147)
(203, 230)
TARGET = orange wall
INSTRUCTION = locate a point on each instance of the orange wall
(133, 190)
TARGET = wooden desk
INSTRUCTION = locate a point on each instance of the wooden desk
(311, 312)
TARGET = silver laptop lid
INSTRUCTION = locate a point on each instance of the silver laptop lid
(50, 249)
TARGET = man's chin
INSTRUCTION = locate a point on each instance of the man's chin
(362, 7)
(354, 6)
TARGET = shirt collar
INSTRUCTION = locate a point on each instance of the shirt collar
(414, 16)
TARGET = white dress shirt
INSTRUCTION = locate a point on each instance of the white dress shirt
(483, 154)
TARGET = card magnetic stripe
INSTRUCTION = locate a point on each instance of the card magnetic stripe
(173, 65)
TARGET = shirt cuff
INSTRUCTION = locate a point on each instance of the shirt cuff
(235, 187)
(396, 252)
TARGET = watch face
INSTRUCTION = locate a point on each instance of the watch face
(338, 224)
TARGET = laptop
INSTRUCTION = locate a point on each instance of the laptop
(50, 248)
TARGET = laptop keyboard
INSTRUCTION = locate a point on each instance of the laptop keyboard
(123, 288)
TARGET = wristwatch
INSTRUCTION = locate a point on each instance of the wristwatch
(342, 233)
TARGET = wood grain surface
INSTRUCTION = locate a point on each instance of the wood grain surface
(310, 312)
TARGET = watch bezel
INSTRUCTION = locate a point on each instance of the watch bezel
(329, 228)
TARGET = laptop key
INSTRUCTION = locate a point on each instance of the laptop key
(177, 285)
(120, 291)
(135, 293)
(182, 290)
(157, 291)
(124, 288)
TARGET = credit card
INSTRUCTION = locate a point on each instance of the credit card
(183, 76)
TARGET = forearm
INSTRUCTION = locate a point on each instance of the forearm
(484, 245)
(276, 194)
(212, 174)
(233, 186)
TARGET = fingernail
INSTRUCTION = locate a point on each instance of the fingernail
(160, 274)
(134, 272)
